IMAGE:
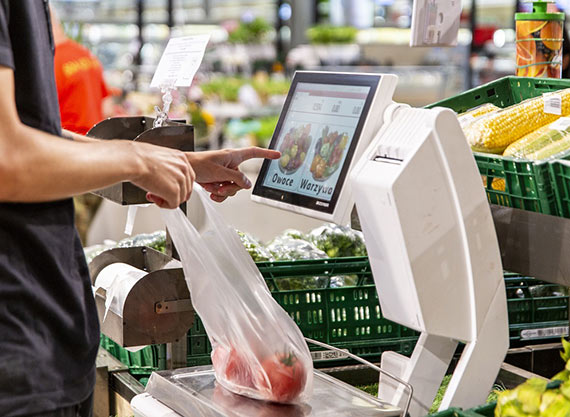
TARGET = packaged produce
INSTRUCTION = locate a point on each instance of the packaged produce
(255, 249)
(543, 142)
(257, 349)
(286, 248)
(538, 397)
(338, 241)
(156, 240)
(494, 132)
(470, 116)
(91, 252)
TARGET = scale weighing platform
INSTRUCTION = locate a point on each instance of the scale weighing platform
(195, 392)
(428, 230)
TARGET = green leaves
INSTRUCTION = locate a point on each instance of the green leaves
(529, 395)
(538, 397)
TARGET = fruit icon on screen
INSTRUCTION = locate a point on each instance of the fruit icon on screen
(294, 147)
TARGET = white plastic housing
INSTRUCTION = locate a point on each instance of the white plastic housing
(433, 250)
(435, 22)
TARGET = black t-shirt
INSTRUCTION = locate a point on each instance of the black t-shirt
(49, 330)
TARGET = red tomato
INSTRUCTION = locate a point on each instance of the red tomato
(232, 366)
(286, 377)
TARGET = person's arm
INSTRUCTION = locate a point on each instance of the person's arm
(68, 134)
(216, 171)
(36, 166)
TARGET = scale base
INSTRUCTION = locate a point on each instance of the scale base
(195, 392)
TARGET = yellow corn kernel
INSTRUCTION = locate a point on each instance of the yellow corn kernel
(481, 110)
(493, 133)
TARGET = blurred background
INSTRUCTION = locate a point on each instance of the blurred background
(256, 45)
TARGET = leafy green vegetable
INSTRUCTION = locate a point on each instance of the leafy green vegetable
(538, 397)
(227, 88)
(529, 395)
(156, 240)
(338, 241)
(559, 407)
(257, 252)
(327, 34)
(254, 31)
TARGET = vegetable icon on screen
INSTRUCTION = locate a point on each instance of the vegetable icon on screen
(329, 151)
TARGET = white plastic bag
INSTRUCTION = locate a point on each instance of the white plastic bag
(257, 349)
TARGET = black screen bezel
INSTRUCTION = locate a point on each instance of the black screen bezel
(357, 80)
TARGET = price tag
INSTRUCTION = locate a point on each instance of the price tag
(561, 124)
(180, 61)
(552, 103)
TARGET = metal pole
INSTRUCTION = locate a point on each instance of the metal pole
(279, 47)
(170, 8)
(140, 24)
(207, 8)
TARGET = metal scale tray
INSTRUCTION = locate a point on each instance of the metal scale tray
(195, 392)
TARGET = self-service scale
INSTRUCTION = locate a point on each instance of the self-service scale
(430, 238)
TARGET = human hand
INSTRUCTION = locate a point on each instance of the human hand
(218, 172)
(165, 173)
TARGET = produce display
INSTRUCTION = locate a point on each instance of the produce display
(329, 150)
(329, 240)
(294, 147)
(327, 34)
(323, 242)
(494, 132)
(257, 131)
(248, 32)
(538, 397)
(227, 88)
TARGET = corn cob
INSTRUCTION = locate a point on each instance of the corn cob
(493, 133)
(497, 184)
(534, 141)
(551, 151)
(465, 119)
(481, 110)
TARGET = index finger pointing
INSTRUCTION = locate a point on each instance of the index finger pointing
(255, 152)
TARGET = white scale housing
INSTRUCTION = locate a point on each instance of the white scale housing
(432, 247)
(434, 255)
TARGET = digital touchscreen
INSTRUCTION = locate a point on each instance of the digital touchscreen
(315, 138)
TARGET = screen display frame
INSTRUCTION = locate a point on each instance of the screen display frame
(300, 200)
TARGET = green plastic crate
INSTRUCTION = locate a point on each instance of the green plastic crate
(560, 175)
(350, 317)
(527, 185)
(537, 310)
